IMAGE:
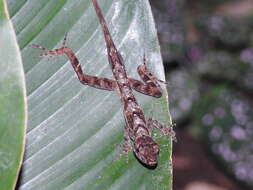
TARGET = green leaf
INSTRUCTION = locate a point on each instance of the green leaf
(74, 129)
(12, 103)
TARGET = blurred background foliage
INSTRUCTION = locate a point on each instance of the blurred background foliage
(207, 48)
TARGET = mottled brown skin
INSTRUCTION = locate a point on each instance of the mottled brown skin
(147, 150)
(98, 82)
(138, 131)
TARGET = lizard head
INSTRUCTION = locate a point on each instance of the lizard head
(146, 150)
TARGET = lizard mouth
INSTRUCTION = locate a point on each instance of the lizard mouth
(152, 163)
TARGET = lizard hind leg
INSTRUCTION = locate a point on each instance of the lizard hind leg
(64, 40)
(48, 52)
(147, 76)
(151, 84)
(54, 52)
(40, 47)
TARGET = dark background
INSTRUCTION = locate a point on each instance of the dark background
(207, 48)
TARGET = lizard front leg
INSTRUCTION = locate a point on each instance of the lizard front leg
(165, 130)
(126, 146)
